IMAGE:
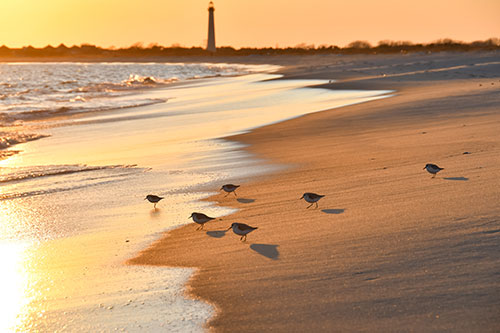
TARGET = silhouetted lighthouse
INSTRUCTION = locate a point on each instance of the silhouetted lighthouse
(211, 28)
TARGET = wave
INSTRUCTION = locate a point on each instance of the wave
(80, 105)
(44, 90)
(8, 139)
(10, 175)
(66, 82)
(13, 180)
(134, 81)
(17, 195)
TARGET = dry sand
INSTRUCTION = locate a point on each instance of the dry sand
(390, 248)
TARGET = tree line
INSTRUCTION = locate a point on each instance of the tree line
(154, 50)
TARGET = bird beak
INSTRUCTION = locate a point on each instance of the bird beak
(229, 228)
(301, 197)
(190, 217)
(145, 198)
(423, 168)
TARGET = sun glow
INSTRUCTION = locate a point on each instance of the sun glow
(20, 274)
(257, 23)
(14, 287)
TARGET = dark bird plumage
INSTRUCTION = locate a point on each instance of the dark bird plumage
(228, 188)
(153, 199)
(242, 229)
(432, 168)
(311, 198)
(201, 219)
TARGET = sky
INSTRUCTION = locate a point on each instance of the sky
(238, 23)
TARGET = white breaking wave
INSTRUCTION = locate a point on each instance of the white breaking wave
(8, 139)
(41, 90)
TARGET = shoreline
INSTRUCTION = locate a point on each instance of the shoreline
(175, 150)
(304, 277)
(28, 123)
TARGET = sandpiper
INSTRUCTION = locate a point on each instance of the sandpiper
(229, 188)
(241, 229)
(432, 168)
(153, 199)
(312, 198)
(201, 219)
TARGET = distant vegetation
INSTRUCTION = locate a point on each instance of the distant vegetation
(87, 51)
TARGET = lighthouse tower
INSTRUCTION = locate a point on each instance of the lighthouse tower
(211, 28)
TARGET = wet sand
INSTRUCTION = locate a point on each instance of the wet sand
(389, 248)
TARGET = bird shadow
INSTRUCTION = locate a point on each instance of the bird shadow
(267, 250)
(491, 231)
(363, 274)
(333, 211)
(456, 178)
(217, 233)
(155, 213)
(245, 200)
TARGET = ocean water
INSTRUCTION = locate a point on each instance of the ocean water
(81, 146)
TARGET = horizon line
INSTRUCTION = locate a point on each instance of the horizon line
(353, 44)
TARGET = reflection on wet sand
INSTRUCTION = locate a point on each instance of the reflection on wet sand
(73, 210)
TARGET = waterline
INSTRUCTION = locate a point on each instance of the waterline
(100, 219)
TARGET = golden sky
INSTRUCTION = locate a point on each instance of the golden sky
(238, 23)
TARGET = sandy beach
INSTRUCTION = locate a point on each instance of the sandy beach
(389, 248)
(363, 141)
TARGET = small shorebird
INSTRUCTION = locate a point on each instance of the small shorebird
(312, 198)
(229, 188)
(432, 168)
(153, 199)
(242, 229)
(201, 219)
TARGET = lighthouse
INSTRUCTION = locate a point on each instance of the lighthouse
(211, 28)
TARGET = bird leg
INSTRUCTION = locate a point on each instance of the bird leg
(316, 205)
(309, 205)
(235, 193)
(226, 194)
